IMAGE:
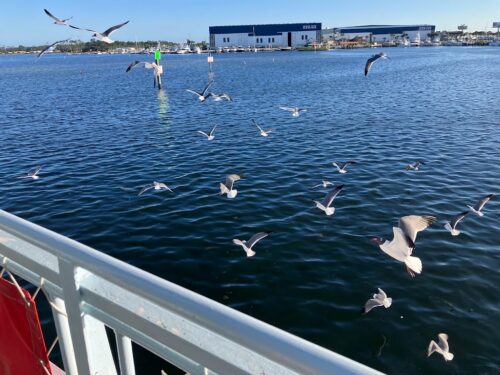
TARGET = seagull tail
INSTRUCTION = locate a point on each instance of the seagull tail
(414, 264)
(250, 252)
(448, 356)
(388, 302)
(454, 232)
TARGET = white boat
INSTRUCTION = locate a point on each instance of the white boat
(416, 41)
(404, 43)
(184, 49)
(197, 50)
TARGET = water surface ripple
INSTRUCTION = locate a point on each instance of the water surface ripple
(100, 134)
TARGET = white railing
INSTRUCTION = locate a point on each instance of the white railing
(89, 290)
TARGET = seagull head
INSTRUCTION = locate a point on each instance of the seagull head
(378, 240)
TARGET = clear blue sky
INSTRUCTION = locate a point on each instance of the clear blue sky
(24, 22)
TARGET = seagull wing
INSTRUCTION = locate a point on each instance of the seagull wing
(302, 109)
(370, 62)
(231, 179)
(67, 19)
(227, 97)
(412, 224)
(193, 92)
(331, 196)
(382, 294)
(53, 45)
(145, 188)
(432, 348)
(479, 206)
(52, 16)
(113, 29)
(371, 303)
(202, 132)
(257, 125)
(457, 218)
(34, 171)
(256, 238)
(81, 28)
(164, 186)
(204, 92)
(288, 109)
(398, 248)
(213, 129)
(134, 64)
(443, 342)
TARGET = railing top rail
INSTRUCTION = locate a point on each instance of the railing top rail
(284, 348)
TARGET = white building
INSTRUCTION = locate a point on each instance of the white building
(379, 33)
(276, 35)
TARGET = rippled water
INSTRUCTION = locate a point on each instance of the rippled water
(100, 134)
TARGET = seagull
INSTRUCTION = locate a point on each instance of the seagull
(324, 183)
(204, 94)
(372, 59)
(263, 132)
(342, 166)
(227, 187)
(147, 65)
(210, 135)
(479, 206)
(52, 47)
(379, 299)
(451, 225)
(415, 166)
(403, 242)
(325, 205)
(32, 173)
(442, 347)
(219, 97)
(57, 20)
(295, 110)
(104, 36)
(160, 186)
(247, 245)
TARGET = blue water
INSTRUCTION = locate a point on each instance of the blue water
(100, 134)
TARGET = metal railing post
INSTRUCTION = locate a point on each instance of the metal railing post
(87, 333)
(64, 334)
(125, 354)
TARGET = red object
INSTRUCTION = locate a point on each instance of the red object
(22, 348)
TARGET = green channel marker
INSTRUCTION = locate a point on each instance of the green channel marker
(157, 55)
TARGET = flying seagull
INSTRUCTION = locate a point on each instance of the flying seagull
(296, 111)
(247, 245)
(203, 95)
(263, 132)
(451, 225)
(379, 299)
(324, 183)
(415, 166)
(219, 97)
(372, 59)
(325, 205)
(403, 242)
(32, 173)
(442, 347)
(479, 206)
(57, 21)
(210, 135)
(52, 47)
(227, 187)
(104, 36)
(159, 186)
(342, 166)
(147, 65)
